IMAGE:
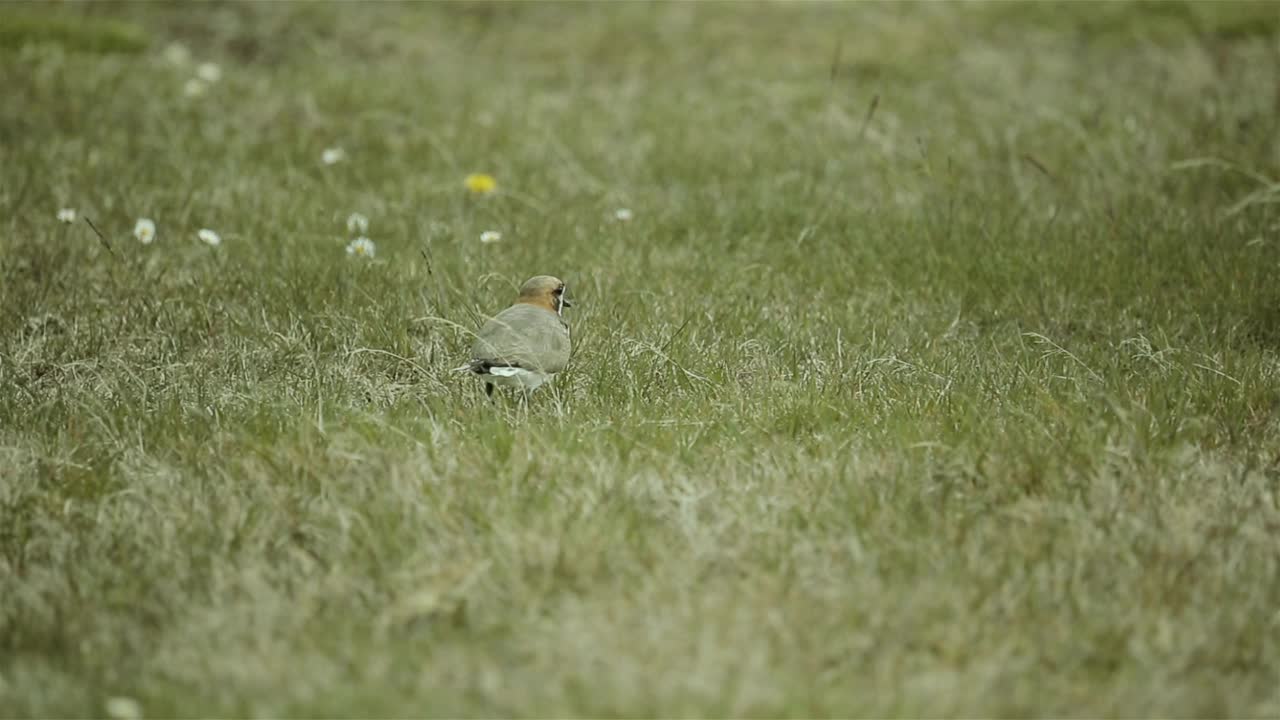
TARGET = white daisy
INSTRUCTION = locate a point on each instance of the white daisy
(194, 87)
(145, 230)
(623, 214)
(209, 72)
(490, 236)
(177, 54)
(123, 708)
(361, 247)
(357, 224)
(209, 237)
(67, 215)
(333, 155)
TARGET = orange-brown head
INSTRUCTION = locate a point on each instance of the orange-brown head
(545, 292)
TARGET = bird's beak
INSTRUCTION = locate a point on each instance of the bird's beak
(565, 302)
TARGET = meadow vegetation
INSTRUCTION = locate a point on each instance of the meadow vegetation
(936, 371)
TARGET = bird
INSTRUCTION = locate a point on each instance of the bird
(525, 345)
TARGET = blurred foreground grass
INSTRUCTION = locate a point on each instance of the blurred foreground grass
(935, 374)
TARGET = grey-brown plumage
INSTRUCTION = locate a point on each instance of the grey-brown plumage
(526, 344)
(524, 336)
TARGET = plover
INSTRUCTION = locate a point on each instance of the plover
(526, 344)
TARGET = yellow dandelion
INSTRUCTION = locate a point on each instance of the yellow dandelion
(481, 183)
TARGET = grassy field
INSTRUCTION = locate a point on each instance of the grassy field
(936, 372)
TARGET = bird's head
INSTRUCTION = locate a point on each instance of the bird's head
(545, 292)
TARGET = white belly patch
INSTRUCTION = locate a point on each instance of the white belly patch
(515, 377)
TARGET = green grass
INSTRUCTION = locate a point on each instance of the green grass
(936, 375)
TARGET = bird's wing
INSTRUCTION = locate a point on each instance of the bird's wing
(523, 336)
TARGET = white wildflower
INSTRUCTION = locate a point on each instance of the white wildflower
(490, 236)
(361, 247)
(145, 230)
(357, 224)
(209, 237)
(67, 215)
(333, 155)
(209, 72)
(623, 214)
(194, 87)
(177, 54)
(123, 708)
